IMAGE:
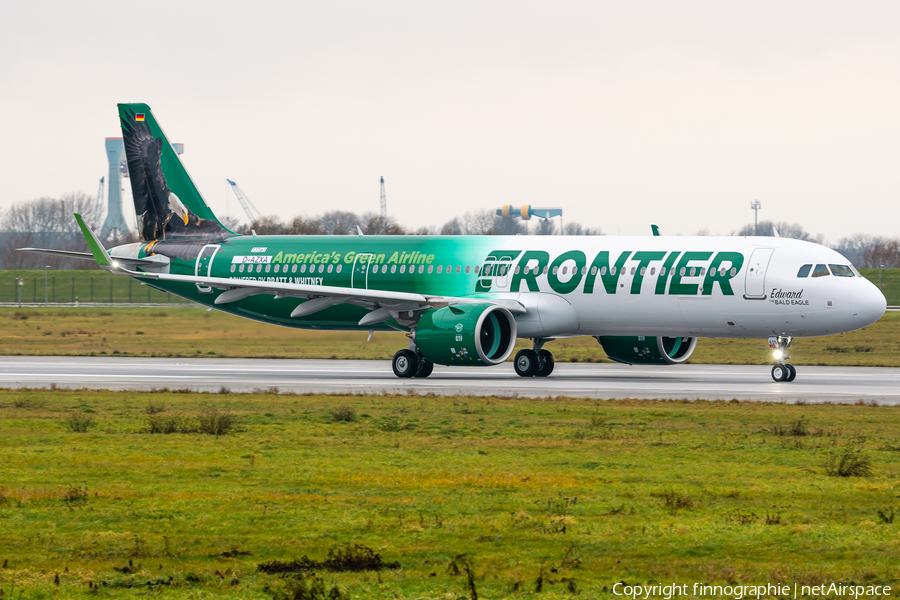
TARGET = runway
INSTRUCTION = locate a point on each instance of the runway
(695, 382)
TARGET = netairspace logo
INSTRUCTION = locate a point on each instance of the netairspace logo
(738, 592)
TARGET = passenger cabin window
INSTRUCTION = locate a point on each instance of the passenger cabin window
(804, 271)
(841, 270)
(820, 271)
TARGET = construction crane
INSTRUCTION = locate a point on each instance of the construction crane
(100, 199)
(249, 209)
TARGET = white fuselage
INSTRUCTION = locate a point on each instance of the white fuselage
(764, 296)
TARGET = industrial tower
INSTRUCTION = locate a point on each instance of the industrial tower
(383, 202)
(114, 226)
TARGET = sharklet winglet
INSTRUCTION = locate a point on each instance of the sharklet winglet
(94, 244)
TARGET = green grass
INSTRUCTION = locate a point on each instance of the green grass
(191, 331)
(890, 283)
(590, 491)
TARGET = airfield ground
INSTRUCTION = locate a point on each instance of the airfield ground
(560, 494)
(190, 331)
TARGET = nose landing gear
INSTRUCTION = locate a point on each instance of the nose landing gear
(782, 371)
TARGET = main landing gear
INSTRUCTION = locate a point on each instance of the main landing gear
(410, 363)
(782, 371)
(535, 362)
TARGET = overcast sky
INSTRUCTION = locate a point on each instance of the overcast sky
(621, 113)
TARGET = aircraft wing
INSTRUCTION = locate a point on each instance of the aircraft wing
(383, 304)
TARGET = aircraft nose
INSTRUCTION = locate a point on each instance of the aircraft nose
(867, 303)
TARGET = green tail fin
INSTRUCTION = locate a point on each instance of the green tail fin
(166, 202)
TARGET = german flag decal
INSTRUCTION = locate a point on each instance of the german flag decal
(139, 116)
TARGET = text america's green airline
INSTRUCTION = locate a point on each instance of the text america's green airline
(465, 300)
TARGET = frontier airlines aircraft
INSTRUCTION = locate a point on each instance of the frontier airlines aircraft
(465, 300)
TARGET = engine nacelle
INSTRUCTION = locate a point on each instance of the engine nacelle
(477, 335)
(648, 350)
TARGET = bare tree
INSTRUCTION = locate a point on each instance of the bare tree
(423, 230)
(372, 224)
(46, 215)
(47, 223)
(508, 225)
(339, 222)
(268, 225)
(302, 226)
(884, 253)
(854, 246)
(545, 227)
(785, 229)
(479, 222)
(230, 223)
(573, 228)
(452, 227)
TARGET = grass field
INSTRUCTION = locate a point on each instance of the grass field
(559, 494)
(100, 286)
(191, 331)
(86, 286)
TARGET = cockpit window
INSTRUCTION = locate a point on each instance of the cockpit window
(841, 271)
(804, 271)
(820, 271)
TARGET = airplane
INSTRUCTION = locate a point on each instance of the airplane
(465, 300)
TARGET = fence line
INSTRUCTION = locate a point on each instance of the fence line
(90, 287)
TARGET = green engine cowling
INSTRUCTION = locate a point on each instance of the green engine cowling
(648, 350)
(477, 335)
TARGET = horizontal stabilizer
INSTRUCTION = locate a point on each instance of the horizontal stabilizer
(63, 253)
(149, 262)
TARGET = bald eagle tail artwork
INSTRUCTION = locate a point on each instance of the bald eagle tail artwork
(167, 204)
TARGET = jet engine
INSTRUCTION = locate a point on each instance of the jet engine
(648, 350)
(466, 334)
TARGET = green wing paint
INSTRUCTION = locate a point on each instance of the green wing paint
(93, 243)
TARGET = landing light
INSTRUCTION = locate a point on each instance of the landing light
(116, 264)
(778, 354)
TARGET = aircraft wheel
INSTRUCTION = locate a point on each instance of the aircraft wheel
(792, 372)
(425, 369)
(547, 363)
(780, 373)
(405, 363)
(526, 363)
